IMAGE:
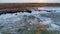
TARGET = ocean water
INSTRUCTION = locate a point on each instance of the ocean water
(37, 22)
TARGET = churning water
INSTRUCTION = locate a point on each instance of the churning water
(37, 22)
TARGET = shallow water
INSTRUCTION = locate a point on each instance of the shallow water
(30, 23)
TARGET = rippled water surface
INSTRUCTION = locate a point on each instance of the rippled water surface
(37, 22)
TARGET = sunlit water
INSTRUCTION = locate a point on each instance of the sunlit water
(22, 23)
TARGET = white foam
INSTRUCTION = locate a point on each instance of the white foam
(17, 21)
